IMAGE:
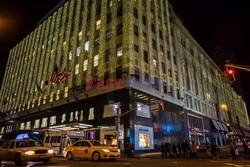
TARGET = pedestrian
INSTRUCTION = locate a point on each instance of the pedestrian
(162, 151)
(184, 149)
(174, 150)
(245, 148)
(189, 148)
(179, 150)
(236, 153)
(193, 150)
(128, 150)
(232, 147)
(208, 149)
(167, 150)
(213, 150)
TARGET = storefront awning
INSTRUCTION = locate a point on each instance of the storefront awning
(225, 127)
(215, 124)
(71, 126)
(220, 125)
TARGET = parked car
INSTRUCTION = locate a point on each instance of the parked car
(91, 149)
(21, 151)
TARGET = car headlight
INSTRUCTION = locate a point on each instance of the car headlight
(51, 151)
(29, 153)
(106, 150)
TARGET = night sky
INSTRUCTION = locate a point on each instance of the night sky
(211, 22)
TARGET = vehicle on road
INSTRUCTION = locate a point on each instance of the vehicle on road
(91, 149)
(21, 151)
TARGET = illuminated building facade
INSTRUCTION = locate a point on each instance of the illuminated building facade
(140, 53)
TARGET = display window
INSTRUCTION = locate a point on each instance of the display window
(144, 140)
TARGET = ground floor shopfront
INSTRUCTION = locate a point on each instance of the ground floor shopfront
(94, 119)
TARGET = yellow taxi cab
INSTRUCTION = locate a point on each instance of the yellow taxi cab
(91, 149)
(21, 151)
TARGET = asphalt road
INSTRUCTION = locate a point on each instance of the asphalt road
(142, 162)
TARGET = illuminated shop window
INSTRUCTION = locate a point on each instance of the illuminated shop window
(37, 124)
(85, 65)
(76, 69)
(143, 110)
(52, 120)
(78, 51)
(2, 130)
(28, 125)
(63, 118)
(22, 126)
(86, 46)
(98, 24)
(44, 122)
(71, 117)
(76, 116)
(81, 115)
(96, 60)
(66, 91)
(91, 114)
(57, 94)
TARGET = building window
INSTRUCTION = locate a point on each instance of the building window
(44, 99)
(57, 94)
(155, 62)
(156, 84)
(136, 33)
(175, 62)
(119, 50)
(154, 44)
(152, 27)
(144, 38)
(119, 73)
(70, 55)
(165, 88)
(80, 36)
(66, 91)
(163, 66)
(160, 34)
(52, 120)
(86, 46)
(119, 11)
(51, 97)
(97, 41)
(76, 69)
(119, 29)
(107, 54)
(145, 55)
(85, 65)
(135, 12)
(98, 10)
(136, 48)
(91, 114)
(63, 118)
(106, 77)
(109, 18)
(28, 106)
(169, 72)
(137, 74)
(44, 122)
(33, 103)
(71, 117)
(39, 101)
(96, 57)
(144, 20)
(78, 51)
(146, 77)
(108, 35)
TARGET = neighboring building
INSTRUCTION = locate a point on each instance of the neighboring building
(151, 56)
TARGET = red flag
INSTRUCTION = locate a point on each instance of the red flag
(62, 76)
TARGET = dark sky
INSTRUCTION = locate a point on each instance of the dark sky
(211, 22)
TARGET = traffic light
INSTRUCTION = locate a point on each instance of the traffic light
(161, 105)
(231, 75)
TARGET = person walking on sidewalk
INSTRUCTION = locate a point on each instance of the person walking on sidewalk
(193, 150)
(245, 148)
(213, 149)
(184, 149)
(174, 150)
(232, 147)
(179, 150)
(167, 150)
(163, 155)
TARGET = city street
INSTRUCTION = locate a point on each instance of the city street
(142, 162)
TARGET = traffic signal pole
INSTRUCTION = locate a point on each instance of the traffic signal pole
(240, 67)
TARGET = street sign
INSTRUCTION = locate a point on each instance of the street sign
(154, 107)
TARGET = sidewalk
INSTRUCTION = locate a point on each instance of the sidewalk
(224, 154)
